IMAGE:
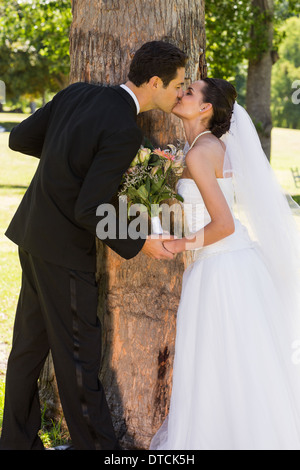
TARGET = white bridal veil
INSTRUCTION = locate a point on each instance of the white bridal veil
(271, 216)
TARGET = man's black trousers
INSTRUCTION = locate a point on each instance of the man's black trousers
(57, 311)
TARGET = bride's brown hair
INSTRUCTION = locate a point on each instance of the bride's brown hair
(222, 95)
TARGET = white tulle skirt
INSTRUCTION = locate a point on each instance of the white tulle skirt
(236, 379)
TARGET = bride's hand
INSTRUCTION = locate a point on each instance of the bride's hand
(154, 247)
(175, 246)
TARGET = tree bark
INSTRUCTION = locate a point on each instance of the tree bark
(106, 33)
(258, 101)
(49, 396)
(138, 299)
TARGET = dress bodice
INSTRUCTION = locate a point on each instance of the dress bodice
(195, 212)
(196, 216)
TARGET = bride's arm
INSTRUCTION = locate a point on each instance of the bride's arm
(200, 163)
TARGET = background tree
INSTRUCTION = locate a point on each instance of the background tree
(258, 96)
(227, 28)
(138, 298)
(242, 43)
(265, 37)
(286, 72)
(34, 47)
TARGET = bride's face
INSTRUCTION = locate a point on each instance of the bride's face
(192, 103)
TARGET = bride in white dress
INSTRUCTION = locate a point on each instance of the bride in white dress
(236, 377)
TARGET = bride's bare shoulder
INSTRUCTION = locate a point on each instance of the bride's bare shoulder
(208, 153)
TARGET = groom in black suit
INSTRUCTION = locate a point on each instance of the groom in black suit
(85, 138)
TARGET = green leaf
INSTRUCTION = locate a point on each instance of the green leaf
(178, 197)
(142, 191)
(156, 186)
(165, 195)
(148, 185)
(154, 160)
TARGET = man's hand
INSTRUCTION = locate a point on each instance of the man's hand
(154, 247)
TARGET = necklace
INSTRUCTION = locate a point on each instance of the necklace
(202, 133)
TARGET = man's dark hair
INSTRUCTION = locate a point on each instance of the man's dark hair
(156, 58)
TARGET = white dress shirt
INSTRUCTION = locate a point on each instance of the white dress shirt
(133, 96)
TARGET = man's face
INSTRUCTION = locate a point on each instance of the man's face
(167, 98)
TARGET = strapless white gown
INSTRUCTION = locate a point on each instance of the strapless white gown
(235, 385)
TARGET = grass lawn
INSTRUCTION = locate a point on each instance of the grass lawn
(16, 171)
(286, 155)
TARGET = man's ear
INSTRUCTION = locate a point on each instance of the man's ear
(154, 82)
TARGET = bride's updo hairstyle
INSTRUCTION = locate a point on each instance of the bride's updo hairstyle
(222, 95)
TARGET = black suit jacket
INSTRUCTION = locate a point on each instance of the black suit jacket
(85, 138)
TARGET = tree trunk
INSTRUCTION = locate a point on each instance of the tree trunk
(258, 100)
(49, 397)
(138, 299)
(105, 35)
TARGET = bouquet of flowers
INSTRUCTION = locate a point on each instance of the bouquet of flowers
(150, 180)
